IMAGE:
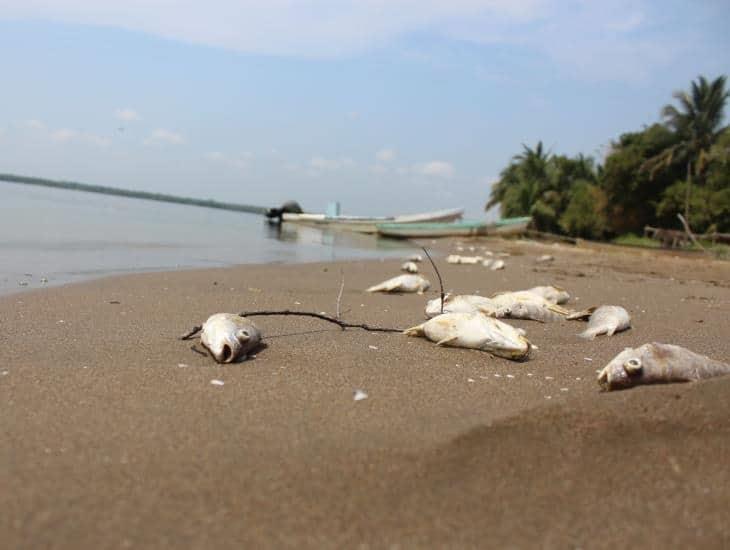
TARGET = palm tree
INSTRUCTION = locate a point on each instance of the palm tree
(697, 124)
(519, 184)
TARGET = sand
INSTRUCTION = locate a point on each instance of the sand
(114, 437)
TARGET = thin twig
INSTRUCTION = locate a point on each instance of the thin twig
(192, 332)
(341, 324)
(339, 296)
(441, 283)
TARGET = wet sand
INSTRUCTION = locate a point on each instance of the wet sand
(114, 437)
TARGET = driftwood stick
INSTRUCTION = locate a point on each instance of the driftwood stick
(689, 231)
(343, 325)
(192, 332)
(339, 296)
(441, 283)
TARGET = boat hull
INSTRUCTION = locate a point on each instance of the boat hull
(361, 224)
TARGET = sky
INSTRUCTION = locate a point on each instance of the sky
(387, 106)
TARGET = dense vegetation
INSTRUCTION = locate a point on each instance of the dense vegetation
(679, 166)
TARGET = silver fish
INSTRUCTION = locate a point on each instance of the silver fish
(402, 283)
(456, 259)
(657, 363)
(229, 337)
(524, 304)
(475, 331)
(464, 303)
(496, 265)
(604, 320)
(551, 293)
(415, 258)
(410, 267)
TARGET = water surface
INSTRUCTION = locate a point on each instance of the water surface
(67, 236)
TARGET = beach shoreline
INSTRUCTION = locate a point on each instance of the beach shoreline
(115, 436)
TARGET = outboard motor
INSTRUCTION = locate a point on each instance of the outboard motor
(274, 215)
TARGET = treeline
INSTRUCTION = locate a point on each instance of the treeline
(681, 165)
(75, 186)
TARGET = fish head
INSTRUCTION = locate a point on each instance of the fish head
(626, 369)
(519, 348)
(231, 346)
(433, 307)
(229, 338)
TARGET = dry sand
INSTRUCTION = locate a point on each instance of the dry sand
(114, 437)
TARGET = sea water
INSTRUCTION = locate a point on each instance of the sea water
(54, 236)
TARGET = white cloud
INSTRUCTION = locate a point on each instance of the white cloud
(241, 161)
(385, 155)
(164, 137)
(435, 168)
(281, 27)
(39, 130)
(614, 40)
(35, 124)
(64, 134)
(321, 164)
(215, 156)
(127, 115)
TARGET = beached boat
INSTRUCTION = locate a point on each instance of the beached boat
(365, 224)
(434, 229)
(510, 226)
(503, 227)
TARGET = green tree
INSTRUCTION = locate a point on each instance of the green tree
(585, 215)
(519, 183)
(631, 191)
(696, 123)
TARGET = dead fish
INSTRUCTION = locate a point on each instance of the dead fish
(415, 258)
(545, 258)
(524, 304)
(456, 259)
(553, 294)
(604, 320)
(496, 265)
(402, 283)
(229, 337)
(475, 331)
(487, 262)
(463, 303)
(410, 267)
(657, 363)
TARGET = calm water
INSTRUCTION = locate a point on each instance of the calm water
(68, 236)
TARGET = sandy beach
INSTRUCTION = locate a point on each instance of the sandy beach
(114, 437)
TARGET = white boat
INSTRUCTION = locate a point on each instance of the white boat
(366, 224)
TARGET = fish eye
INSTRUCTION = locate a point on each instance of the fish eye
(633, 365)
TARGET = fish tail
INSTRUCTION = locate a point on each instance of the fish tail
(414, 331)
(590, 333)
(377, 288)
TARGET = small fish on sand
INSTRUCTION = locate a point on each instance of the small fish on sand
(229, 337)
(463, 303)
(544, 259)
(524, 304)
(551, 293)
(471, 260)
(402, 283)
(475, 331)
(657, 363)
(603, 320)
(415, 258)
(497, 265)
(410, 267)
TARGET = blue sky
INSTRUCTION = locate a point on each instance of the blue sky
(388, 106)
